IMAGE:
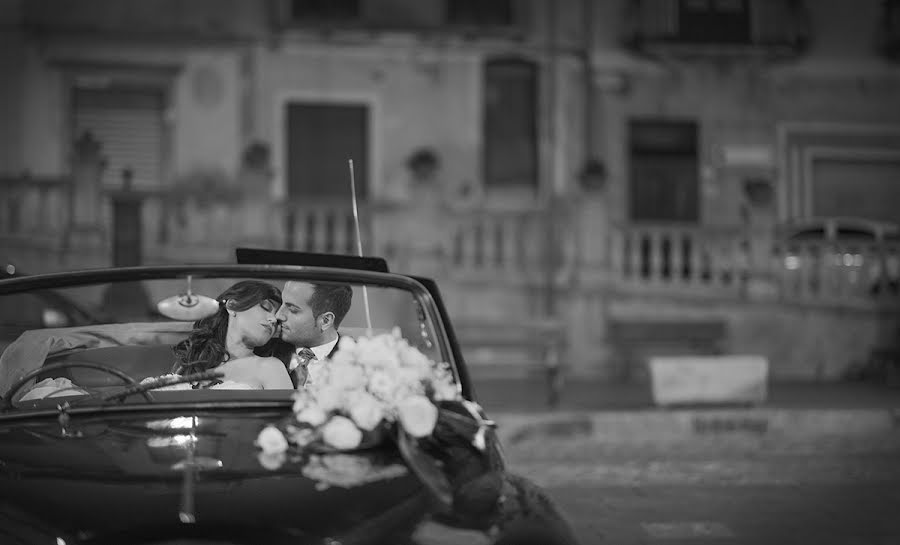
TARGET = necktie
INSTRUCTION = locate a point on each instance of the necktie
(301, 372)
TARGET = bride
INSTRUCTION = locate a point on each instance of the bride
(226, 341)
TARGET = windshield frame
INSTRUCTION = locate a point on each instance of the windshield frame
(428, 304)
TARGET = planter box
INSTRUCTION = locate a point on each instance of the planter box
(709, 379)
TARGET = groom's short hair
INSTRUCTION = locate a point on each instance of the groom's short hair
(334, 298)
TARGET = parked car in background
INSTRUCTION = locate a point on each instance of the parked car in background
(101, 443)
(856, 252)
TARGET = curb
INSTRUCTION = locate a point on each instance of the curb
(687, 425)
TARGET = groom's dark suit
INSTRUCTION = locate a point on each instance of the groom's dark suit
(284, 351)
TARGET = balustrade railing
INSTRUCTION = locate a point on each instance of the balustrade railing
(516, 244)
(34, 207)
(677, 256)
(174, 224)
(530, 246)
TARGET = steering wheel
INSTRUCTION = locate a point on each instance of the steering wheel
(144, 389)
(7, 402)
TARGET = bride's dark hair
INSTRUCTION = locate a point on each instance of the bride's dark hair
(205, 348)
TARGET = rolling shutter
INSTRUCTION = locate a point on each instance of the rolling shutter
(129, 125)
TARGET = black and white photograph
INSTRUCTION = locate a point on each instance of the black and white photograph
(449, 272)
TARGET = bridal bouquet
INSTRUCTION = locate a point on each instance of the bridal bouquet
(370, 384)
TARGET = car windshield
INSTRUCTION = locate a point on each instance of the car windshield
(191, 335)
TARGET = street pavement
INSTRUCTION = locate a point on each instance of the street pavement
(820, 514)
(707, 494)
(812, 465)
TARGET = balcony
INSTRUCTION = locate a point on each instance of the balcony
(703, 28)
(349, 19)
(544, 273)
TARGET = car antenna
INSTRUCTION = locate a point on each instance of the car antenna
(359, 246)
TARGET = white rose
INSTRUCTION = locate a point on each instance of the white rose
(366, 411)
(301, 436)
(410, 356)
(417, 416)
(346, 375)
(346, 344)
(329, 398)
(412, 379)
(312, 415)
(383, 386)
(378, 355)
(302, 400)
(445, 390)
(271, 461)
(341, 433)
(271, 440)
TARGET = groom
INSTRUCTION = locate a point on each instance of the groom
(310, 315)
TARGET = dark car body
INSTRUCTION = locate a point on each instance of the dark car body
(170, 471)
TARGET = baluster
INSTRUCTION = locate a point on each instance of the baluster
(349, 234)
(490, 241)
(688, 243)
(319, 232)
(713, 261)
(633, 241)
(519, 248)
(328, 230)
(676, 258)
(309, 233)
(666, 251)
(653, 241)
(478, 249)
(501, 235)
(698, 263)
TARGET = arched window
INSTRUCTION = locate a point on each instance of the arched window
(510, 123)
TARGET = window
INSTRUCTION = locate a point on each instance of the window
(510, 123)
(714, 21)
(479, 12)
(320, 138)
(324, 10)
(664, 171)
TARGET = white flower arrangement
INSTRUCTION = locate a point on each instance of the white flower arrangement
(347, 470)
(370, 382)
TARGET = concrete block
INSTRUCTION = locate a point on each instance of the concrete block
(709, 379)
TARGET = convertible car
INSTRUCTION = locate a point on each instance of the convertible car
(104, 440)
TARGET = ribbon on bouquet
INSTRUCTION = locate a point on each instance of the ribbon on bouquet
(458, 451)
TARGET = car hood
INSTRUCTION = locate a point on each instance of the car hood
(155, 476)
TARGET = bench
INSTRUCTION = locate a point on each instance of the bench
(516, 349)
(635, 340)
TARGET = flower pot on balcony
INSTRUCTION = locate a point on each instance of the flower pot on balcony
(759, 192)
(593, 175)
(423, 164)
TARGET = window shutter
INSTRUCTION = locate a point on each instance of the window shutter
(128, 123)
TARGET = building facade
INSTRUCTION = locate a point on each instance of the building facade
(675, 137)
